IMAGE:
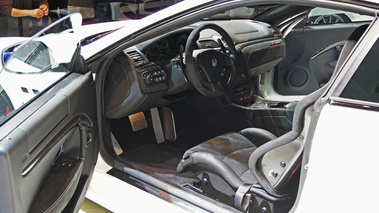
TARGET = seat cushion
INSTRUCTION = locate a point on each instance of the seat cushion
(231, 150)
(226, 156)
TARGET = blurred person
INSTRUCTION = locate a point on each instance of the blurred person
(17, 8)
(27, 11)
(102, 10)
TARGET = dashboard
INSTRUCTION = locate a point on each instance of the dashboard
(152, 73)
(166, 48)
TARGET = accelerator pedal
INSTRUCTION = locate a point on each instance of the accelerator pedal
(168, 123)
(157, 126)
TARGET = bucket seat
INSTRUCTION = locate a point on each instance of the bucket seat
(254, 160)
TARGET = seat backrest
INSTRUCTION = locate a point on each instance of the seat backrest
(274, 163)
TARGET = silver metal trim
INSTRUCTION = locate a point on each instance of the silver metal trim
(366, 105)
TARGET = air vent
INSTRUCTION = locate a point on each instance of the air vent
(136, 57)
(209, 44)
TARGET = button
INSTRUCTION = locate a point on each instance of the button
(241, 99)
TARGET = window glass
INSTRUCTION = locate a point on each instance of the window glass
(321, 16)
(242, 13)
(364, 85)
(6, 106)
(93, 11)
(34, 66)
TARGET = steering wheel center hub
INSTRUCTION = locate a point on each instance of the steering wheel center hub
(212, 70)
(212, 63)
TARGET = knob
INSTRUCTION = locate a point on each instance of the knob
(148, 79)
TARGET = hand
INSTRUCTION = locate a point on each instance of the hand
(37, 13)
(45, 9)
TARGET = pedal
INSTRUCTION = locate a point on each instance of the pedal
(157, 126)
(138, 121)
(168, 122)
(116, 146)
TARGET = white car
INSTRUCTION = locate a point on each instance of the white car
(212, 106)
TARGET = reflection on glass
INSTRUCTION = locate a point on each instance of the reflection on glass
(32, 67)
(32, 57)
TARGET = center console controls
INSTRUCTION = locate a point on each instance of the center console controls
(152, 78)
(242, 92)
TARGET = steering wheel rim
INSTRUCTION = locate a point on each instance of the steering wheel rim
(202, 69)
(329, 19)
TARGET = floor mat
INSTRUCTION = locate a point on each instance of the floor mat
(143, 152)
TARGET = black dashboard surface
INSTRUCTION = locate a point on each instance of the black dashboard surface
(153, 74)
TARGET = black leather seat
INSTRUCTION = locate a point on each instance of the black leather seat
(254, 158)
(227, 156)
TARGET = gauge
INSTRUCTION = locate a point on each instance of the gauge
(158, 51)
(181, 43)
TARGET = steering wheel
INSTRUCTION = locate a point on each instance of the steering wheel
(329, 19)
(211, 70)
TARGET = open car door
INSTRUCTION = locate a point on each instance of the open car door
(49, 134)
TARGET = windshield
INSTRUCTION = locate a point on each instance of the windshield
(242, 12)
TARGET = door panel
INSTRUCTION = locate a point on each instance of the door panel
(49, 153)
(312, 52)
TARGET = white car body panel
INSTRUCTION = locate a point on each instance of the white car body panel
(343, 162)
(269, 93)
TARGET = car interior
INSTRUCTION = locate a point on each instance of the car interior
(220, 108)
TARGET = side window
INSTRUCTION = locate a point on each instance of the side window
(364, 85)
(321, 16)
(93, 11)
(32, 67)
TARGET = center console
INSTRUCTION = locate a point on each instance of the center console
(242, 92)
(274, 117)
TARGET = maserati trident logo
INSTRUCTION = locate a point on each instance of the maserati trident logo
(214, 62)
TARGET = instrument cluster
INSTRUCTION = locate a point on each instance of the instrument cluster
(166, 49)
